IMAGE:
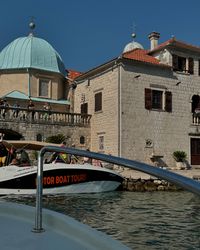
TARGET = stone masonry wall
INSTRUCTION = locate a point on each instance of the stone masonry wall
(105, 122)
(169, 131)
(31, 130)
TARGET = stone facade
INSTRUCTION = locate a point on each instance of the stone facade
(104, 123)
(130, 129)
(11, 81)
(31, 131)
(28, 84)
(140, 126)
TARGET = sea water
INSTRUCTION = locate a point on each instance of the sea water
(149, 220)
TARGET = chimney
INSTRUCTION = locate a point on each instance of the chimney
(153, 37)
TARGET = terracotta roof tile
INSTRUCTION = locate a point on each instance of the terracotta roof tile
(73, 73)
(162, 45)
(140, 55)
(175, 43)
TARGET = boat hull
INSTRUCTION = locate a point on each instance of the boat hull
(58, 179)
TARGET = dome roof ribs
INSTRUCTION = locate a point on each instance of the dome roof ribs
(31, 52)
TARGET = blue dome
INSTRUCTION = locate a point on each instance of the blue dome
(31, 52)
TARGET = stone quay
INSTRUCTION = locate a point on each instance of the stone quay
(136, 181)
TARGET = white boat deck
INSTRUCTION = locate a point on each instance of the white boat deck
(61, 231)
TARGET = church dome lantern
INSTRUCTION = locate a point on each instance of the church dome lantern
(132, 45)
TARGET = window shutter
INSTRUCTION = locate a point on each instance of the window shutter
(190, 65)
(183, 63)
(98, 102)
(148, 101)
(175, 62)
(199, 67)
(168, 101)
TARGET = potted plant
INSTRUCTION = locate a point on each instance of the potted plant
(180, 158)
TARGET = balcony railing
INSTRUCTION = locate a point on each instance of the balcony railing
(42, 116)
(196, 118)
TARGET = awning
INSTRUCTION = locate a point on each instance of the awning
(28, 145)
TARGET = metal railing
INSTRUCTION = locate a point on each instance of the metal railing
(182, 181)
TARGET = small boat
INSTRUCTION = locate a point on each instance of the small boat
(58, 178)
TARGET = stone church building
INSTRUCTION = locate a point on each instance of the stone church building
(35, 94)
(144, 103)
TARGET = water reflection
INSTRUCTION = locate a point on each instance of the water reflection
(157, 220)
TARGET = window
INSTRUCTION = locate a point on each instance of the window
(84, 108)
(82, 140)
(101, 142)
(179, 63)
(44, 88)
(183, 64)
(158, 100)
(98, 102)
(39, 137)
(195, 103)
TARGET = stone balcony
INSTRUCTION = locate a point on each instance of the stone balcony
(11, 114)
(196, 118)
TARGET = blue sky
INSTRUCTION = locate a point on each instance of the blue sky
(87, 33)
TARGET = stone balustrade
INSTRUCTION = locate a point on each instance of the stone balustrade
(42, 116)
(196, 119)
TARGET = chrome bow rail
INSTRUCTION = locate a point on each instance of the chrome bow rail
(182, 181)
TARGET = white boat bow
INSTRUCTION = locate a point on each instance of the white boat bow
(60, 231)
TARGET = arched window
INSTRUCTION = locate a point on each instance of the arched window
(39, 137)
(195, 102)
(82, 140)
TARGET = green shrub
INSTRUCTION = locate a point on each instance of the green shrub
(179, 155)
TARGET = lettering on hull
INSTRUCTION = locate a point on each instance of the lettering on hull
(63, 179)
(59, 178)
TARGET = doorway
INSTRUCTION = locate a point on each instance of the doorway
(10, 134)
(195, 151)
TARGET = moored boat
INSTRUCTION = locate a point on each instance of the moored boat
(58, 178)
